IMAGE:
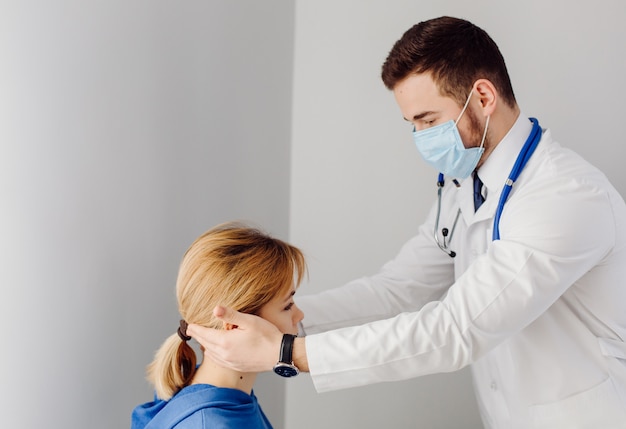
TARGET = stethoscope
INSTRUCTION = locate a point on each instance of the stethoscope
(522, 159)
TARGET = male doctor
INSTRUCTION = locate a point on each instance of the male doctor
(534, 302)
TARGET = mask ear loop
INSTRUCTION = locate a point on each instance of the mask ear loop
(482, 142)
(469, 97)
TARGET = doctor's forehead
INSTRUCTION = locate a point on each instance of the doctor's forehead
(418, 96)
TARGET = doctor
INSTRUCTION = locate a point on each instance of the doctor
(533, 300)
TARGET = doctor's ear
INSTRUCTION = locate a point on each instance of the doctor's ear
(487, 95)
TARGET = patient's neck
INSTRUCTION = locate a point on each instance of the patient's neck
(211, 373)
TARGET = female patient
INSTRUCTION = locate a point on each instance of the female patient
(238, 267)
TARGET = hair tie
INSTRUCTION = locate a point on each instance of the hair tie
(182, 331)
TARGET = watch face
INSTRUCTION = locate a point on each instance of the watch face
(286, 370)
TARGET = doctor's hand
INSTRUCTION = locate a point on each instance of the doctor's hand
(253, 345)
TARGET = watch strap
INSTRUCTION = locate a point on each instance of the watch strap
(286, 348)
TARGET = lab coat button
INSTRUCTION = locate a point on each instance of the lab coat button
(493, 386)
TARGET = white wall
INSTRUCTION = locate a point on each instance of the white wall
(359, 188)
(127, 128)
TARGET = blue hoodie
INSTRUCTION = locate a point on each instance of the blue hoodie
(202, 406)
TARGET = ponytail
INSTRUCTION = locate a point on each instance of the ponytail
(173, 367)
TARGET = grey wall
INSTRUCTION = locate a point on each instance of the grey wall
(127, 128)
(360, 189)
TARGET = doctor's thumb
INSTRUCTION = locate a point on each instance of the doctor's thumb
(227, 315)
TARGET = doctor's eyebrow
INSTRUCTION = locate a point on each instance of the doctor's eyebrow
(420, 116)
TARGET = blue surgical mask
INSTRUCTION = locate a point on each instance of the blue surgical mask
(441, 146)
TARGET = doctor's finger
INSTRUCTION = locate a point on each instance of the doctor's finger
(233, 318)
(207, 337)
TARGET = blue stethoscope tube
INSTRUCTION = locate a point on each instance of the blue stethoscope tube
(522, 159)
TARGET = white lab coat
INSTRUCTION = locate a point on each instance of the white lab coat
(540, 315)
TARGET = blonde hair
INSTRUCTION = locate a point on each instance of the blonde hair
(231, 265)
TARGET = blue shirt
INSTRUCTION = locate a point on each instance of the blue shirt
(202, 406)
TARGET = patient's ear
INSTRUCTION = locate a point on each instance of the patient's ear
(228, 326)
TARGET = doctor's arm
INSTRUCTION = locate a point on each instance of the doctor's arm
(539, 258)
(544, 251)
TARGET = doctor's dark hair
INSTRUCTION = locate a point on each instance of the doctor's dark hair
(231, 265)
(455, 52)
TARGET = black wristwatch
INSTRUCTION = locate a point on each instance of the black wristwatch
(285, 367)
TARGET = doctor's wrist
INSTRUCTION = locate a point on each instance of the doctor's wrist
(299, 354)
